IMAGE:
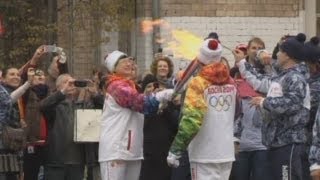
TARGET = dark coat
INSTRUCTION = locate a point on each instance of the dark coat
(60, 115)
(159, 131)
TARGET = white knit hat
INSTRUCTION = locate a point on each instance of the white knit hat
(111, 60)
(210, 51)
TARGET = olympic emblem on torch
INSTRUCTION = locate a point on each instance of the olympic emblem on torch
(221, 103)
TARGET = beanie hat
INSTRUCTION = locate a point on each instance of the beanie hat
(210, 51)
(149, 78)
(112, 59)
(313, 50)
(212, 35)
(294, 47)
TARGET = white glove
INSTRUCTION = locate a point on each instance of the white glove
(173, 160)
(165, 95)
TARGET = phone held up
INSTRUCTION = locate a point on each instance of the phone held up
(50, 48)
(80, 83)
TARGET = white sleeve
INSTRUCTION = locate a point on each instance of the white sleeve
(15, 95)
(257, 81)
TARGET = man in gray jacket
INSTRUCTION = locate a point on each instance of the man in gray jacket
(286, 110)
(252, 160)
(65, 159)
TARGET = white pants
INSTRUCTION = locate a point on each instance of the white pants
(210, 171)
(120, 170)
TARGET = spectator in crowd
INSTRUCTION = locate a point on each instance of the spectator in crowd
(285, 109)
(252, 160)
(36, 127)
(10, 115)
(159, 127)
(162, 68)
(121, 136)
(207, 118)
(312, 60)
(65, 158)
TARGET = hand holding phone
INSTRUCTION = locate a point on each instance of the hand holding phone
(80, 83)
(50, 48)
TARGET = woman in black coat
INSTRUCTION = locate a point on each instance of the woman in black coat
(159, 128)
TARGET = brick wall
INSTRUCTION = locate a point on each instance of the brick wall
(231, 8)
(234, 20)
(235, 30)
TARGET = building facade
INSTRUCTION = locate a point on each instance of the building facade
(236, 21)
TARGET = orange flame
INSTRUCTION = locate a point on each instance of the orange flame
(185, 44)
(148, 25)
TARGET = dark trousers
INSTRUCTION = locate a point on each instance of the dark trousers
(8, 176)
(251, 165)
(33, 158)
(290, 162)
(183, 172)
(66, 172)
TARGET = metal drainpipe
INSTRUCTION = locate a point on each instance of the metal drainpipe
(136, 29)
(71, 39)
(50, 20)
(97, 50)
(156, 30)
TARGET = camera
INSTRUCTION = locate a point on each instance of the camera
(80, 83)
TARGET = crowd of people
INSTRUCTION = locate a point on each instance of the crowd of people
(258, 119)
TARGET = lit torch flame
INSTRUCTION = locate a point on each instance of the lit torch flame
(148, 25)
(185, 44)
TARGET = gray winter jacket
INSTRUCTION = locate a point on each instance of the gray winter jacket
(248, 127)
(286, 107)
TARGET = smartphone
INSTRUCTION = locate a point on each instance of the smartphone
(80, 83)
(50, 48)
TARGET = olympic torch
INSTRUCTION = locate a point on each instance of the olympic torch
(191, 69)
(209, 52)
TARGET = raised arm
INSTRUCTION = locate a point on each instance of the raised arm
(258, 81)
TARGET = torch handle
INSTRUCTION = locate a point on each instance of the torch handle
(193, 66)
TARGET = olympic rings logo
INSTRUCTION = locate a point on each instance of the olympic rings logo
(221, 103)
